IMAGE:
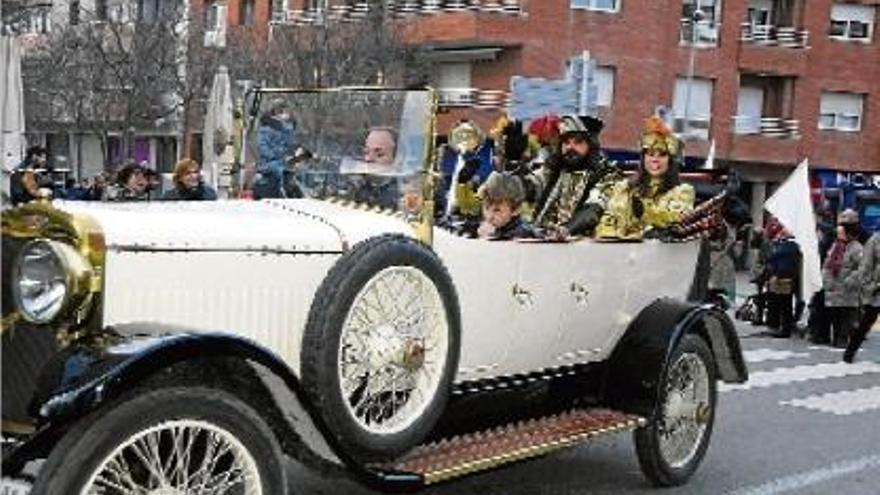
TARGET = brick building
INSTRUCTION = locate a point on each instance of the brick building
(773, 81)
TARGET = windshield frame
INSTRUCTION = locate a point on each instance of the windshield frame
(423, 225)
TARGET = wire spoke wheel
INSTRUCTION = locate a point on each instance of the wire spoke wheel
(179, 457)
(392, 350)
(685, 411)
(673, 444)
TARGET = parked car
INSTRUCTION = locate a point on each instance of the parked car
(169, 346)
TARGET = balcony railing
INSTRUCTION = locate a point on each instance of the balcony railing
(355, 11)
(766, 35)
(489, 99)
(776, 127)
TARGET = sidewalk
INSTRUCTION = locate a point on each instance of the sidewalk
(745, 289)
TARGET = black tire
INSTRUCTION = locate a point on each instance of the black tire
(87, 444)
(655, 466)
(321, 343)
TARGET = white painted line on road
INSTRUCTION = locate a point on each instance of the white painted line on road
(803, 373)
(805, 479)
(764, 354)
(841, 403)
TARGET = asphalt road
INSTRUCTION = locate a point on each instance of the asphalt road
(805, 423)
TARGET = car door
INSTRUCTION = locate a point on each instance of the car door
(596, 285)
(538, 295)
(483, 274)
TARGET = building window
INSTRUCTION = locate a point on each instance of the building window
(841, 111)
(603, 79)
(279, 8)
(602, 5)
(699, 22)
(693, 118)
(246, 12)
(74, 13)
(101, 10)
(852, 22)
(215, 24)
(453, 83)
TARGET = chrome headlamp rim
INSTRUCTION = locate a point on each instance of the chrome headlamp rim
(74, 270)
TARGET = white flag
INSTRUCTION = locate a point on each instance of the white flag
(710, 158)
(792, 206)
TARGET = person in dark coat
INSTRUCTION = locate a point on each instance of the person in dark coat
(29, 176)
(783, 274)
(275, 145)
(131, 184)
(188, 183)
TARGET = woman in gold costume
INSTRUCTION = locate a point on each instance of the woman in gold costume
(655, 198)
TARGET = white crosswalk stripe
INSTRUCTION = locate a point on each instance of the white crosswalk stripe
(841, 403)
(801, 373)
(761, 355)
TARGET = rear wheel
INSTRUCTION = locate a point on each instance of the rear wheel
(167, 441)
(672, 445)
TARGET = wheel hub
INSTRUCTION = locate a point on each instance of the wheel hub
(388, 348)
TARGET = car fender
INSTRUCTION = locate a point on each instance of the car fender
(632, 375)
(86, 377)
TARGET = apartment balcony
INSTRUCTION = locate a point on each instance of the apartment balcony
(768, 140)
(400, 9)
(777, 36)
(771, 127)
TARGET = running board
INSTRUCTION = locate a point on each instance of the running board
(470, 453)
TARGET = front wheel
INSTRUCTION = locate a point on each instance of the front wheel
(174, 440)
(672, 445)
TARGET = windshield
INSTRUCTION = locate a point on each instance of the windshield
(370, 146)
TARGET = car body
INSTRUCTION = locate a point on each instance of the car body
(336, 331)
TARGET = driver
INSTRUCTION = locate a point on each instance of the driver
(380, 146)
(378, 186)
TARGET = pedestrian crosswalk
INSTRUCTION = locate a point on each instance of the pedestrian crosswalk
(782, 367)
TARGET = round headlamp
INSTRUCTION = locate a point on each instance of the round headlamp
(46, 278)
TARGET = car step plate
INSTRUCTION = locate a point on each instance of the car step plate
(465, 454)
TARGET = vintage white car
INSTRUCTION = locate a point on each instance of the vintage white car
(187, 347)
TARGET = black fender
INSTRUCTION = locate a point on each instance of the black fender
(632, 375)
(88, 376)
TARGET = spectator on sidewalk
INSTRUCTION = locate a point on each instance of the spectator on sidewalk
(188, 183)
(783, 277)
(869, 272)
(841, 278)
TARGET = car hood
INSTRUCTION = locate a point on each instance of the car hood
(293, 225)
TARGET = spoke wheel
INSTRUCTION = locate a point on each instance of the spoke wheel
(168, 441)
(177, 458)
(381, 347)
(672, 445)
(392, 350)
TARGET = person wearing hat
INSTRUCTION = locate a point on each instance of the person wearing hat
(869, 272)
(655, 198)
(841, 278)
(275, 145)
(571, 189)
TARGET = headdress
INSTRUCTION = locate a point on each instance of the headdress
(584, 125)
(545, 129)
(658, 137)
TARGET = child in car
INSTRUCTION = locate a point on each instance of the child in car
(502, 196)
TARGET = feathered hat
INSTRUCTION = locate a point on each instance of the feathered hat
(658, 137)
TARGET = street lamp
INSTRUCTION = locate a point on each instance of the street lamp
(696, 17)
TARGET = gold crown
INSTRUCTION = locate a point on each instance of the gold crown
(658, 137)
